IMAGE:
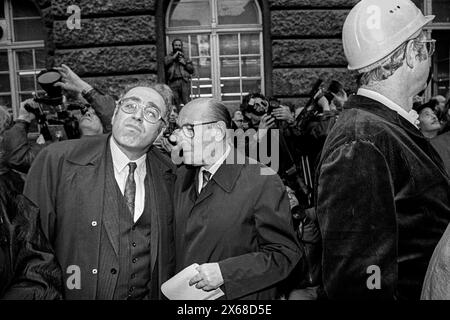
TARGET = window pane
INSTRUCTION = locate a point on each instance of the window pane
(229, 67)
(26, 83)
(25, 60)
(202, 88)
(441, 8)
(24, 8)
(4, 61)
(249, 43)
(231, 89)
(200, 46)
(251, 86)
(202, 68)
(251, 67)
(2, 9)
(228, 44)
(441, 61)
(6, 101)
(27, 30)
(190, 13)
(40, 58)
(238, 12)
(4, 83)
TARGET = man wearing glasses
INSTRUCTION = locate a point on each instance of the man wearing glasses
(106, 204)
(231, 219)
(383, 193)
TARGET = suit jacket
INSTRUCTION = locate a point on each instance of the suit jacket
(67, 182)
(382, 204)
(241, 220)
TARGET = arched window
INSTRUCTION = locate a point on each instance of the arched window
(22, 53)
(224, 39)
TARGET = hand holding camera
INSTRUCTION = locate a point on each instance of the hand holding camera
(26, 115)
(71, 82)
(283, 113)
(267, 122)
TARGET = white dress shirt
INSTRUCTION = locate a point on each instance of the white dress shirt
(411, 116)
(121, 170)
(213, 168)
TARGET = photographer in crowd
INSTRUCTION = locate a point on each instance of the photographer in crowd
(179, 70)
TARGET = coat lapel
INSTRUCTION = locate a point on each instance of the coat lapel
(91, 176)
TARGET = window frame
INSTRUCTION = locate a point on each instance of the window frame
(433, 26)
(11, 46)
(214, 31)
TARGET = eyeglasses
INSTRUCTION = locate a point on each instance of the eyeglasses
(188, 128)
(430, 45)
(151, 112)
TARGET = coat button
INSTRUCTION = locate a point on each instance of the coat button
(113, 271)
(94, 223)
(94, 271)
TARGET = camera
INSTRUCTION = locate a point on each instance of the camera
(53, 116)
(274, 103)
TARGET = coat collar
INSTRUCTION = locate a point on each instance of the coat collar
(377, 108)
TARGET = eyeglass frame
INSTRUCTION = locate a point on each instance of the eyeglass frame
(432, 45)
(138, 101)
(191, 126)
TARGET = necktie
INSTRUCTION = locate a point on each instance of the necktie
(130, 188)
(206, 178)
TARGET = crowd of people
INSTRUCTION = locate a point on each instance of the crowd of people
(345, 196)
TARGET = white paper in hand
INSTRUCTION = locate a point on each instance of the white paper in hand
(178, 288)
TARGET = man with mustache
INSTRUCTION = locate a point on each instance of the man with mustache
(106, 204)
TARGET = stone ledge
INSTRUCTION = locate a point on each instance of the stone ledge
(102, 7)
(106, 31)
(308, 23)
(109, 59)
(308, 52)
(288, 82)
(115, 85)
(312, 3)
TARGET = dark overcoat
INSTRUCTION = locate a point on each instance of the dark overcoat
(67, 183)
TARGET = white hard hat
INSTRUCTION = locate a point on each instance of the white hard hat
(375, 28)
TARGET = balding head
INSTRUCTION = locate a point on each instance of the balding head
(206, 110)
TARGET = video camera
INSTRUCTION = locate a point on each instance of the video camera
(60, 124)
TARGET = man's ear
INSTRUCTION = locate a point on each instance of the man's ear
(410, 54)
(221, 131)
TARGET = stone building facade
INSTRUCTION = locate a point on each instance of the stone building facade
(121, 41)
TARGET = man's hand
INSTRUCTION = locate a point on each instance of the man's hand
(209, 277)
(283, 113)
(24, 115)
(267, 122)
(71, 81)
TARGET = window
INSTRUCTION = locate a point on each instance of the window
(22, 54)
(223, 38)
(439, 30)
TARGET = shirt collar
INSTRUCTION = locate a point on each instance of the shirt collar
(218, 163)
(411, 116)
(120, 160)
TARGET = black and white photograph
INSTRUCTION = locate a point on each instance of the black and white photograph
(245, 152)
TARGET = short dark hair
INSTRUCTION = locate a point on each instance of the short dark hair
(175, 40)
